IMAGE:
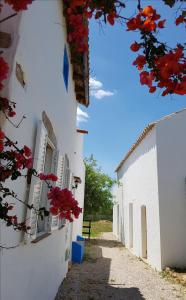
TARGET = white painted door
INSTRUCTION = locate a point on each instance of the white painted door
(130, 225)
(143, 232)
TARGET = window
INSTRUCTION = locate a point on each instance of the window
(65, 67)
(56, 222)
(43, 224)
(65, 183)
(47, 159)
(66, 180)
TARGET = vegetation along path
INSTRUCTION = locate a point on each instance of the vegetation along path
(112, 272)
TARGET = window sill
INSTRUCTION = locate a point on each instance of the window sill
(41, 237)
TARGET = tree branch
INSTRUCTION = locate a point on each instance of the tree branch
(7, 18)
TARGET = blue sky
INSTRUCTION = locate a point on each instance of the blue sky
(115, 121)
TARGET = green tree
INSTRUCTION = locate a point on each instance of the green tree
(98, 189)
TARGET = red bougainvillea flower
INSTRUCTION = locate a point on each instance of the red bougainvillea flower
(4, 68)
(19, 5)
(63, 204)
(27, 151)
(7, 107)
(161, 24)
(135, 47)
(50, 176)
(11, 113)
(134, 23)
(149, 25)
(145, 20)
(2, 136)
(152, 89)
(76, 3)
(54, 211)
(29, 163)
(140, 61)
(146, 78)
(1, 146)
(148, 11)
(171, 72)
(111, 18)
(180, 20)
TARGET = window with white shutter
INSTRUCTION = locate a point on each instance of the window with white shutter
(46, 160)
(36, 184)
(66, 179)
(65, 182)
(43, 223)
(71, 182)
(59, 171)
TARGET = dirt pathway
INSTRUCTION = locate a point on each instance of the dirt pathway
(112, 272)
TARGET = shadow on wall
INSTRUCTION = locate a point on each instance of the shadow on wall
(91, 281)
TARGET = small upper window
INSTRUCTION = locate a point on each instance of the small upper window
(65, 67)
(20, 75)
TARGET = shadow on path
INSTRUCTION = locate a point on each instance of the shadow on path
(91, 280)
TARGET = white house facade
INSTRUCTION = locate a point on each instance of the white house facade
(43, 86)
(150, 200)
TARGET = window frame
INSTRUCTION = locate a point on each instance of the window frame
(46, 220)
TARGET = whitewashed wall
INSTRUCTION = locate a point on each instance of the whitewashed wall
(138, 178)
(34, 271)
(171, 153)
(79, 171)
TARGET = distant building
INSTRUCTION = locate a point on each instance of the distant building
(43, 84)
(149, 214)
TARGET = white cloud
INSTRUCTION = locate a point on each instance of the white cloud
(82, 116)
(95, 84)
(96, 89)
(99, 94)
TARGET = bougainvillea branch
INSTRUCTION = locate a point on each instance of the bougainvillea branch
(159, 66)
(8, 17)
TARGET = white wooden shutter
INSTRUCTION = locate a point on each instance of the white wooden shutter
(65, 182)
(66, 176)
(36, 184)
(59, 171)
(71, 179)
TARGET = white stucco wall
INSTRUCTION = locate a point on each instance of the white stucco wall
(171, 151)
(79, 171)
(138, 178)
(34, 271)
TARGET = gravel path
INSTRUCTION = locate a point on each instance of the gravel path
(112, 272)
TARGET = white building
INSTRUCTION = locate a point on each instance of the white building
(43, 86)
(150, 202)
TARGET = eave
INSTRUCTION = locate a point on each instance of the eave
(80, 66)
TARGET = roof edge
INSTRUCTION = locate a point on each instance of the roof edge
(144, 133)
(146, 130)
(80, 66)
